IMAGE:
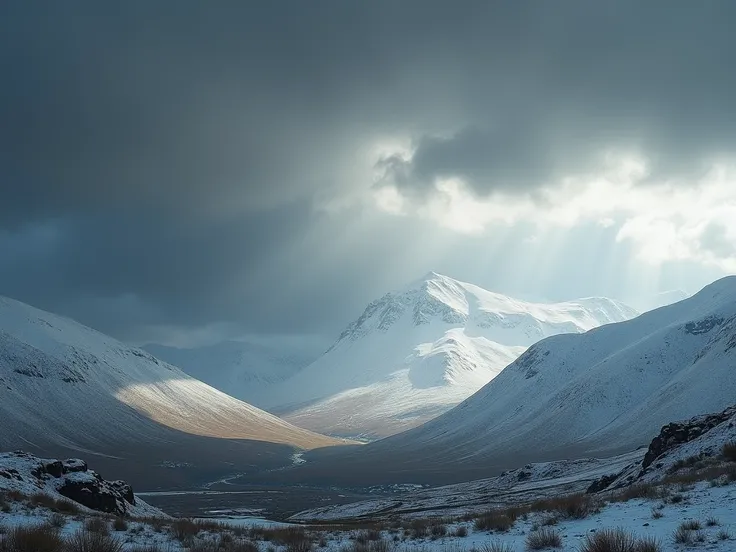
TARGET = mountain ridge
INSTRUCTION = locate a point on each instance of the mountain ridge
(657, 359)
(415, 352)
(66, 387)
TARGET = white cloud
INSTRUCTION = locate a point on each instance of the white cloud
(667, 221)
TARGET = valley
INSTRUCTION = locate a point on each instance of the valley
(367, 276)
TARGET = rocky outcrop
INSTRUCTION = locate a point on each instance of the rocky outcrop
(71, 479)
(90, 490)
(601, 484)
(677, 433)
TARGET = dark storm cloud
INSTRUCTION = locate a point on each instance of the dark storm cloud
(645, 78)
(166, 156)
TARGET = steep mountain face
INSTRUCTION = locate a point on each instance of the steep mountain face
(604, 391)
(416, 353)
(240, 369)
(65, 386)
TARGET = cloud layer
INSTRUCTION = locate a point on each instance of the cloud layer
(245, 163)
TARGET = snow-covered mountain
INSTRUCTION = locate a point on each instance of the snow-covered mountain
(601, 392)
(239, 368)
(415, 353)
(661, 299)
(66, 385)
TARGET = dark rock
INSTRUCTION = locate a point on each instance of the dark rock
(677, 433)
(523, 476)
(601, 484)
(90, 490)
(54, 468)
(74, 465)
(11, 473)
(125, 490)
(92, 494)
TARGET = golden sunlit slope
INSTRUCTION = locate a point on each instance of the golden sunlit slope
(67, 385)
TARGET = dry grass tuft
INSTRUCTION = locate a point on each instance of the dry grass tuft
(39, 538)
(184, 529)
(644, 490)
(97, 525)
(575, 506)
(85, 540)
(494, 520)
(543, 538)
(691, 525)
(729, 451)
(119, 524)
(618, 540)
(496, 546)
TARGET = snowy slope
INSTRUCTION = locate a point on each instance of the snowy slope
(67, 385)
(608, 390)
(415, 353)
(240, 369)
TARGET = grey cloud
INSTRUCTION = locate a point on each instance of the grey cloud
(715, 239)
(159, 163)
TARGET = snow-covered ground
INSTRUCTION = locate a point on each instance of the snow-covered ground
(415, 353)
(450, 519)
(713, 507)
(526, 484)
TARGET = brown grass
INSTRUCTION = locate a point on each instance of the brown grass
(642, 490)
(438, 529)
(85, 540)
(543, 538)
(368, 535)
(496, 546)
(575, 506)
(617, 540)
(119, 524)
(293, 538)
(97, 525)
(691, 525)
(202, 546)
(494, 520)
(184, 529)
(57, 520)
(67, 507)
(42, 500)
(729, 451)
(41, 538)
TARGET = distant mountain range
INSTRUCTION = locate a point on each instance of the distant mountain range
(599, 393)
(412, 355)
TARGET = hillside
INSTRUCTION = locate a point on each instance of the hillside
(69, 387)
(415, 353)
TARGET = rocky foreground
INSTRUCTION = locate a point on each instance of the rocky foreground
(70, 481)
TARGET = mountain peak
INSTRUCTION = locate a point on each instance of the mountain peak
(421, 284)
(436, 298)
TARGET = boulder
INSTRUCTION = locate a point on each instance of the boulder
(678, 433)
(73, 465)
(90, 490)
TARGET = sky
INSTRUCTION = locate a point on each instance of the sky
(190, 171)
